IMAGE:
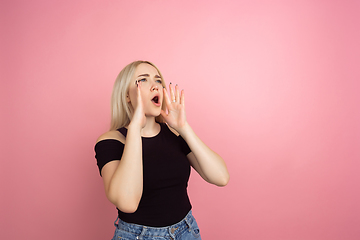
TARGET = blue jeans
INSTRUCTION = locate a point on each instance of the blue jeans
(186, 229)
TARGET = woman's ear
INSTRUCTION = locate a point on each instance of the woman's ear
(128, 98)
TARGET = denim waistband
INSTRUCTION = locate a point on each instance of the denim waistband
(147, 231)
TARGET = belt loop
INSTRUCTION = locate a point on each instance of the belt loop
(143, 231)
(188, 219)
(116, 225)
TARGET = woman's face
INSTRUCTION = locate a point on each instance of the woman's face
(151, 89)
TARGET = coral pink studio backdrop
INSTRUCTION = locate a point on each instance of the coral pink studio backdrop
(272, 86)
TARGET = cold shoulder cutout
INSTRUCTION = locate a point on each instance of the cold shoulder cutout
(108, 150)
(115, 134)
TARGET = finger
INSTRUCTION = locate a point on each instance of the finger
(138, 91)
(167, 99)
(182, 97)
(172, 95)
(177, 93)
(138, 87)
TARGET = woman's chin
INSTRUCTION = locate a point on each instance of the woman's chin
(153, 114)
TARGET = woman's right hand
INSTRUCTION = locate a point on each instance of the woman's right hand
(138, 118)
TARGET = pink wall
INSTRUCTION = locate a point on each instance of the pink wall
(272, 86)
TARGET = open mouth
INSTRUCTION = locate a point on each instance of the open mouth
(155, 100)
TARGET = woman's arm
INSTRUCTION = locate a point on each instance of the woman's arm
(206, 162)
(123, 180)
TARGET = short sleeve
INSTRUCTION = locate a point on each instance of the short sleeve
(108, 150)
(184, 147)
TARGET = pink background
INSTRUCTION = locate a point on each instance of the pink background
(272, 86)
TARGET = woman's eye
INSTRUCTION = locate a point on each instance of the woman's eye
(142, 80)
(159, 81)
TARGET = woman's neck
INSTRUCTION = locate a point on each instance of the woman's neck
(152, 128)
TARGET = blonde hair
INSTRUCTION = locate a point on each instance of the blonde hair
(121, 111)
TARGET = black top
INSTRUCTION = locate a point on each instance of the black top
(166, 172)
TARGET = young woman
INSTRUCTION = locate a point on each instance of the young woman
(145, 158)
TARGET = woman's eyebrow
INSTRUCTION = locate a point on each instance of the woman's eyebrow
(147, 75)
(144, 75)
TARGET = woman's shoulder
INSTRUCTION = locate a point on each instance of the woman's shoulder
(112, 134)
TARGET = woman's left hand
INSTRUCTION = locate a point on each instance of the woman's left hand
(175, 105)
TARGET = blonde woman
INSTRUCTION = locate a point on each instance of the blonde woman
(146, 157)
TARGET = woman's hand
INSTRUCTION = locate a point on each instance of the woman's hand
(138, 118)
(175, 105)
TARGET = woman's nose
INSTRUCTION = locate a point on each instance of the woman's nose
(155, 88)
